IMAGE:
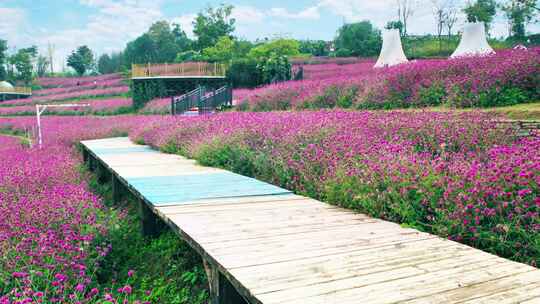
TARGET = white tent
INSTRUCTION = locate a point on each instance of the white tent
(392, 50)
(473, 41)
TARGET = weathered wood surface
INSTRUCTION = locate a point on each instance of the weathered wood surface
(277, 247)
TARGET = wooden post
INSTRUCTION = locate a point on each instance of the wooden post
(152, 226)
(116, 188)
(91, 162)
(212, 274)
(85, 156)
(221, 290)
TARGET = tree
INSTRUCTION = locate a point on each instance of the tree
(50, 53)
(451, 21)
(181, 39)
(223, 51)
(22, 60)
(160, 44)
(398, 25)
(42, 65)
(104, 64)
(81, 60)
(358, 39)
(278, 47)
(441, 11)
(165, 41)
(211, 24)
(519, 13)
(481, 11)
(3, 59)
(314, 47)
(141, 50)
(405, 11)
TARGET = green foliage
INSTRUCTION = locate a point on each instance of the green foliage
(333, 96)
(395, 25)
(222, 51)
(3, 59)
(110, 63)
(275, 68)
(213, 23)
(164, 40)
(144, 91)
(22, 61)
(278, 47)
(520, 12)
(481, 11)
(160, 44)
(433, 95)
(359, 39)
(190, 55)
(42, 65)
(164, 269)
(81, 60)
(314, 47)
(141, 50)
(244, 73)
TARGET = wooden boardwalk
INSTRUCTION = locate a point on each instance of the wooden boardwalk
(271, 246)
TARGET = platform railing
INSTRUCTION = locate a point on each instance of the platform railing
(17, 90)
(185, 69)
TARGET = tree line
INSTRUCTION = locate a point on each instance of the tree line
(266, 60)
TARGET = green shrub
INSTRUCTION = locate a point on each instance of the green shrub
(244, 73)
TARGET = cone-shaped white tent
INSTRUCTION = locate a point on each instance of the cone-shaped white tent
(392, 50)
(473, 41)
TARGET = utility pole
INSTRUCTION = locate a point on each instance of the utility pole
(50, 50)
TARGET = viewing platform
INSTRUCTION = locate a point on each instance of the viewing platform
(191, 70)
(263, 244)
(7, 91)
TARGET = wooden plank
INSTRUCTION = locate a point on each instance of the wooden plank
(267, 245)
(405, 284)
(512, 289)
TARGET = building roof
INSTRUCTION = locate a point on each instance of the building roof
(5, 86)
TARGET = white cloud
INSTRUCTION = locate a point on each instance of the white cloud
(109, 29)
(247, 14)
(308, 13)
(14, 26)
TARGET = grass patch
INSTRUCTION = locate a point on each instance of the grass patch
(164, 269)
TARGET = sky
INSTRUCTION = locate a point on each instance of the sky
(107, 25)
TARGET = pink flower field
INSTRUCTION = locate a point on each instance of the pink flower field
(84, 94)
(455, 175)
(506, 78)
(97, 106)
(51, 220)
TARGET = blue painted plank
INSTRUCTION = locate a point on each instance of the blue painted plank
(161, 190)
(210, 190)
(105, 151)
(176, 180)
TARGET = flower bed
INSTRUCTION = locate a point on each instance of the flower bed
(157, 106)
(96, 107)
(51, 82)
(115, 82)
(455, 175)
(83, 94)
(53, 229)
(506, 78)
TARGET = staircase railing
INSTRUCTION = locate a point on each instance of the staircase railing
(216, 99)
(183, 103)
(202, 100)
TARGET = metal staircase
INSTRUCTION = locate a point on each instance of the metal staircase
(201, 101)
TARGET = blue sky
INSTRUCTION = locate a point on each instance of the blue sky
(106, 25)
